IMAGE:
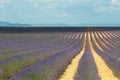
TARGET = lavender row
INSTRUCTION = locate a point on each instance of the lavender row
(110, 59)
(112, 41)
(20, 62)
(112, 51)
(87, 68)
(50, 68)
(25, 51)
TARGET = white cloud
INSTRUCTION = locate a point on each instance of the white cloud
(35, 5)
(54, 2)
(40, 0)
(4, 2)
(62, 15)
(64, 6)
(117, 2)
(107, 6)
(50, 7)
(106, 9)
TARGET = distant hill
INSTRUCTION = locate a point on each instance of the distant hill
(78, 25)
(53, 25)
(7, 24)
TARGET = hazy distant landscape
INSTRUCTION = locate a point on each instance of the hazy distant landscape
(8, 24)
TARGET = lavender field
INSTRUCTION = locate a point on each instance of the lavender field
(91, 54)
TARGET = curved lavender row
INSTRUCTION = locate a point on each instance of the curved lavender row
(111, 40)
(115, 53)
(114, 38)
(111, 61)
(19, 62)
(117, 38)
(19, 52)
(103, 41)
(110, 44)
(27, 45)
(32, 51)
(7, 55)
(87, 68)
(61, 44)
(115, 47)
(100, 41)
(52, 49)
(113, 32)
(50, 68)
(117, 33)
(16, 53)
(24, 51)
(23, 41)
(22, 61)
(29, 40)
(65, 42)
(45, 50)
(33, 43)
(5, 49)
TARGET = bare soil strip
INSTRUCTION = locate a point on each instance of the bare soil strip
(111, 43)
(101, 41)
(112, 36)
(103, 70)
(81, 36)
(77, 36)
(74, 35)
(66, 35)
(72, 68)
(93, 37)
(106, 40)
(70, 35)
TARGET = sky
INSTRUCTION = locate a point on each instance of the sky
(60, 11)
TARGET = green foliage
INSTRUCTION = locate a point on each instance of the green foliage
(38, 76)
(8, 70)
(33, 76)
(4, 56)
(118, 74)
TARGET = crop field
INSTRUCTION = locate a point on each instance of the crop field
(64, 55)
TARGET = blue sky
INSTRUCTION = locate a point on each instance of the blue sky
(60, 11)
